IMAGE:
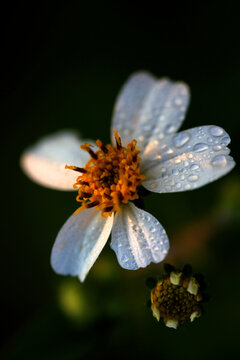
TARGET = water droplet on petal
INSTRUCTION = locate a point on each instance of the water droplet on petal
(180, 139)
(177, 161)
(168, 150)
(178, 101)
(178, 186)
(200, 147)
(194, 167)
(169, 129)
(226, 140)
(193, 178)
(219, 161)
(175, 172)
(216, 131)
(124, 259)
(217, 147)
(135, 227)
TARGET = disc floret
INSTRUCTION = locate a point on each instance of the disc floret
(111, 176)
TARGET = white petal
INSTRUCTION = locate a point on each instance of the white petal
(138, 238)
(149, 110)
(79, 242)
(162, 112)
(45, 161)
(128, 104)
(188, 160)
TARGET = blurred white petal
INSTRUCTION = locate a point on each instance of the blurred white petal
(79, 242)
(188, 160)
(45, 161)
(148, 109)
(138, 238)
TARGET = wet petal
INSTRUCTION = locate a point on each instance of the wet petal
(149, 110)
(45, 161)
(128, 104)
(138, 238)
(79, 242)
(188, 160)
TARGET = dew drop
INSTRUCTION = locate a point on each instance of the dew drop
(226, 140)
(175, 172)
(194, 167)
(146, 247)
(124, 259)
(200, 147)
(152, 229)
(219, 161)
(180, 139)
(178, 186)
(177, 161)
(178, 101)
(135, 227)
(217, 147)
(169, 129)
(168, 150)
(193, 178)
(216, 131)
(160, 136)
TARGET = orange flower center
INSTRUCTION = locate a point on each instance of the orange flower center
(111, 176)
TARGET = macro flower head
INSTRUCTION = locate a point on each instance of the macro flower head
(178, 296)
(146, 150)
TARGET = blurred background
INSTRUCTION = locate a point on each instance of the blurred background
(62, 67)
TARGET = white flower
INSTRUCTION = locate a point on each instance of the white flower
(150, 111)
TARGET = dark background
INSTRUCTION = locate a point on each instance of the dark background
(62, 66)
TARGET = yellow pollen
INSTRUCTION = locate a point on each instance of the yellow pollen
(111, 176)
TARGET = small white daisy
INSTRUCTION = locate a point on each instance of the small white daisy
(147, 152)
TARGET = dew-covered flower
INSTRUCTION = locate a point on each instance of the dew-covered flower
(145, 150)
